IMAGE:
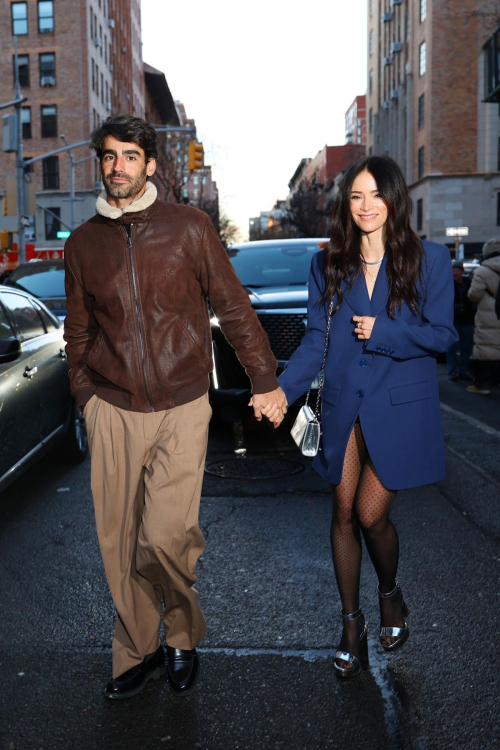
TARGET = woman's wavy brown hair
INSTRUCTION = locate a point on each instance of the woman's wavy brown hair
(403, 249)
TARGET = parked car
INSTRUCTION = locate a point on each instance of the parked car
(45, 280)
(36, 407)
(275, 274)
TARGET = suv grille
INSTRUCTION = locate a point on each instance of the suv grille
(285, 332)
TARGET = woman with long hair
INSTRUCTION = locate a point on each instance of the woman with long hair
(391, 302)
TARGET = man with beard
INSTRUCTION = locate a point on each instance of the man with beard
(138, 277)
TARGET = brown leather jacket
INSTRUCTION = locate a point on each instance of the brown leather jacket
(137, 329)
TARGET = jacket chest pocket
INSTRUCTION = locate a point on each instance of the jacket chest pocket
(403, 394)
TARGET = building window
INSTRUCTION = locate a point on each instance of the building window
(370, 151)
(45, 16)
(370, 45)
(370, 82)
(102, 88)
(421, 111)
(423, 10)
(29, 168)
(52, 223)
(421, 156)
(19, 13)
(51, 173)
(196, 192)
(498, 209)
(47, 69)
(420, 214)
(370, 120)
(422, 59)
(26, 121)
(23, 69)
(49, 121)
(498, 156)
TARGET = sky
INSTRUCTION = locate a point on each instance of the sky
(268, 83)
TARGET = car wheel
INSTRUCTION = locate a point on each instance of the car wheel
(75, 444)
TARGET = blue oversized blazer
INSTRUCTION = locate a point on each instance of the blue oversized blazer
(389, 382)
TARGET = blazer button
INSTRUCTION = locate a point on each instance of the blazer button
(363, 363)
(360, 394)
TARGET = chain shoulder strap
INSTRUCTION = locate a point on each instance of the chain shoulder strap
(322, 371)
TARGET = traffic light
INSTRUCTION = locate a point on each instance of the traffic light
(4, 240)
(195, 155)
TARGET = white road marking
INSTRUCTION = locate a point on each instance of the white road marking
(471, 420)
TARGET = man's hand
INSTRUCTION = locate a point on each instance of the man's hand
(364, 326)
(272, 405)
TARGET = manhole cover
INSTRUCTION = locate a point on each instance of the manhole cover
(248, 467)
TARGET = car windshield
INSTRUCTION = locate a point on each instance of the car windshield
(259, 266)
(41, 282)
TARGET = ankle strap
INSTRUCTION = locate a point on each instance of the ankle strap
(354, 615)
(396, 588)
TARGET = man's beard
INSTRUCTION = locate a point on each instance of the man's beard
(128, 190)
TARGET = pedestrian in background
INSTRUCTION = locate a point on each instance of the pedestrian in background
(392, 311)
(138, 275)
(458, 355)
(483, 291)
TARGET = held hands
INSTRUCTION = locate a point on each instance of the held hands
(363, 326)
(272, 405)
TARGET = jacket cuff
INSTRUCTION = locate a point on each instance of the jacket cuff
(265, 383)
(82, 396)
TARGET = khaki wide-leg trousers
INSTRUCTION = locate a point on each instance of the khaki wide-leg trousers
(146, 477)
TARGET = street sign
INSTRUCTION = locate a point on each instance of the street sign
(63, 235)
(25, 221)
(457, 231)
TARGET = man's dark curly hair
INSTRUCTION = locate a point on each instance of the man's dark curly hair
(127, 129)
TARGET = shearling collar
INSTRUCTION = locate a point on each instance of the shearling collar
(145, 201)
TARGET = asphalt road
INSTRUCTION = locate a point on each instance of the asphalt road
(268, 592)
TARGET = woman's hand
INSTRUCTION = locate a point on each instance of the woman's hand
(274, 413)
(364, 326)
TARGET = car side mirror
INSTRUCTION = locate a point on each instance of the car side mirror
(10, 350)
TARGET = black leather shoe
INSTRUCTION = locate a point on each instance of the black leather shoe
(183, 670)
(133, 680)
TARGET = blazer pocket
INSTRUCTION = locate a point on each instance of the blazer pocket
(403, 394)
(330, 395)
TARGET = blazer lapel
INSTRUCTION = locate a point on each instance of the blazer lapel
(357, 296)
(380, 291)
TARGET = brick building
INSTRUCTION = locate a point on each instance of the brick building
(78, 62)
(425, 109)
(325, 166)
(355, 121)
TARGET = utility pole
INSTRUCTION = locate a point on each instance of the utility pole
(21, 201)
(72, 165)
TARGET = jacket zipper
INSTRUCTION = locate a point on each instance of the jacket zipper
(128, 231)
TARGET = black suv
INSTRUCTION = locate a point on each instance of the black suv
(275, 274)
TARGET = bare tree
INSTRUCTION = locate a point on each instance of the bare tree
(308, 211)
(228, 231)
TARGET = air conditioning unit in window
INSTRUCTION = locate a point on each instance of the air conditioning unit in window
(47, 81)
(111, 67)
(98, 41)
(394, 94)
(396, 47)
(407, 68)
(111, 23)
(98, 185)
(385, 105)
(396, 2)
(109, 106)
(386, 17)
(387, 60)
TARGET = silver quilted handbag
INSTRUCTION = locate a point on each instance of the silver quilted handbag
(306, 430)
